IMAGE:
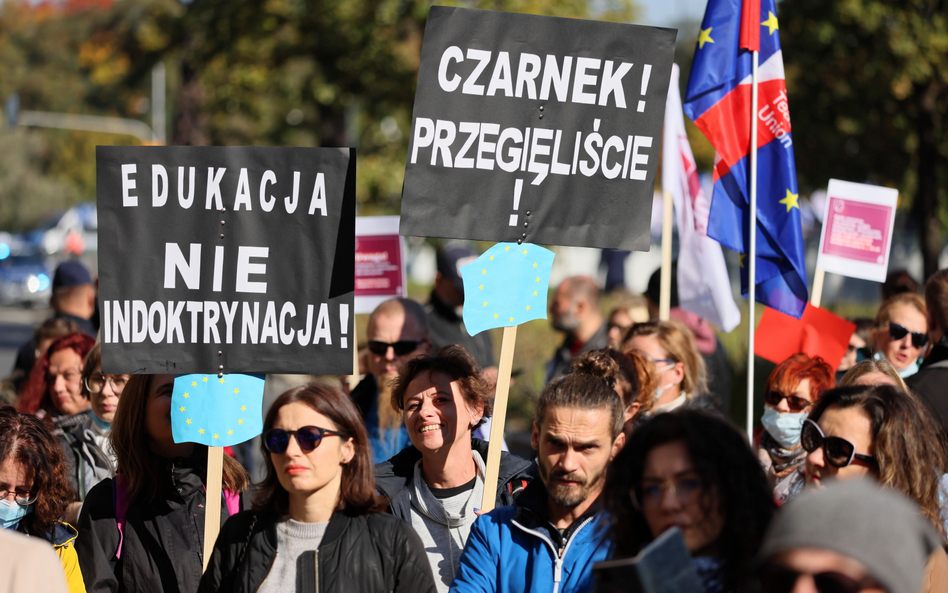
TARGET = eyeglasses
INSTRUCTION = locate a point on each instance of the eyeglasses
(686, 488)
(781, 579)
(897, 332)
(308, 437)
(21, 497)
(838, 451)
(96, 383)
(796, 403)
(401, 347)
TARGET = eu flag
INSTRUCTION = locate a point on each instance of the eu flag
(217, 411)
(719, 101)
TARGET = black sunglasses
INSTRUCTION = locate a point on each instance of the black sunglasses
(308, 437)
(781, 579)
(401, 347)
(897, 332)
(796, 403)
(837, 451)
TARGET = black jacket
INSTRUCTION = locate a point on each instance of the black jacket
(367, 553)
(393, 477)
(930, 381)
(163, 540)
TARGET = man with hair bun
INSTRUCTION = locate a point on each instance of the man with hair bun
(551, 536)
(932, 376)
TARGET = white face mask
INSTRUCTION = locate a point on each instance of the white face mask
(661, 389)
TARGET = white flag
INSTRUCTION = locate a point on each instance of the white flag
(703, 284)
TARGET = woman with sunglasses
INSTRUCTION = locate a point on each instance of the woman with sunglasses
(695, 471)
(87, 449)
(792, 389)
(316, 523)
(671, 346)
(34, 491)
(900, 334)
(143, 530)
(882, 432)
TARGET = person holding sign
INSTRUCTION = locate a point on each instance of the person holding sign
(551, 536)
(901, 332)
(143, 529)
(437, 483)
(692, 470)
(397, 332)
(316, 523)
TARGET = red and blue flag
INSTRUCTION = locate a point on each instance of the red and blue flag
(718, 101)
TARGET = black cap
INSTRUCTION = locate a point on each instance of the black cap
(452, 259)
(71, 273)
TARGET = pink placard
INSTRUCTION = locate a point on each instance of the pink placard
(857, 231)
(378, 266)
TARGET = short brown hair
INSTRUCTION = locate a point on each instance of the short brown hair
(583, 391)
(25, 439)
(679, 342)
(455, 362)
(357, 491)
(129, 439)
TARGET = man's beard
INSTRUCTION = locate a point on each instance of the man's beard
(388, 416)
(566, 322)
(570, 496)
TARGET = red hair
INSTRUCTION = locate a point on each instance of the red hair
(35, 393)
(790, 373)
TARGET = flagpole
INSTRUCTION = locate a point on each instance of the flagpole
(752, 256)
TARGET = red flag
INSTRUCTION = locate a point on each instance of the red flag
(817, 333)
(750, 25)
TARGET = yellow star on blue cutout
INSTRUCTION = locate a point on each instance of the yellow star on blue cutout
(188, 421)
(186, 396)
(221, 381)
(181, 408)
(194, 384)
(771, 22)
(240, 421)
(236, 391)
(492, 258)
(791, 201)
(205, 379)
(201, 431)
(704, 37)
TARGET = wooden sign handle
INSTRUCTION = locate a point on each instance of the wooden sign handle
(497, 420)
(664, 305)
(817, 294)
(212, 503)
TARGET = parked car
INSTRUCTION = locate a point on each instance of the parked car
(24, 278)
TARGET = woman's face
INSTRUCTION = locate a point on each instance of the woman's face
(310, 472)
(436, 414)
(158, 411)
(671, 372)
(619, 323)
(901, 353)
(15, 480)
(106, 400)
(802, 391)
(852, 424)
(64, 381)
(673, 494)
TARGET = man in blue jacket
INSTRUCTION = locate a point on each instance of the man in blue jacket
(550, 538)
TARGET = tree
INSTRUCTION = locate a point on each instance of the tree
(868, 80)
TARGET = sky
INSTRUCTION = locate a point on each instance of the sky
(668, 13)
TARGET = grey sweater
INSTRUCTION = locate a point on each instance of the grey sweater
(293, 540)
(445, 524)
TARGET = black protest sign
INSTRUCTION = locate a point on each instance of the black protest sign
(233, 260)
(540, 129)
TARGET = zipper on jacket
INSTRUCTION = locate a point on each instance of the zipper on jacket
(269, 570)
(316, 568)
(558, 555)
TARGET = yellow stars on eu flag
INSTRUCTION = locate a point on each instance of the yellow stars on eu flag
(194, 384)
(483, 271)
(492, 258)
(205, 379)
(240, 421)
(230, 432)
(216, 435)
(537, 279)
(485, 303)
(221, 381)
(528, 307)
(511, 320)
(236, 391)
(507, 248)
(704, 37)
(243, 408)
(791, 201)
(201, 431)
(188, 421)
(481, 287)
(221, 411)
(181, 408)
(524, 251)
(496, 315)
(185, 396)
(771, 22)
(534, 264)
(535, 293)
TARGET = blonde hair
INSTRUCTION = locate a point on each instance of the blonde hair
(870, 366)
(679, 341)
(884, 315)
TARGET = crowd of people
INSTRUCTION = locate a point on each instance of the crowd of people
(843, 488)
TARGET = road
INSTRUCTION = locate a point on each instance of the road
(16, 328)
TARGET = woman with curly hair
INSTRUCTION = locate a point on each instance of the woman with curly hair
(693, 470)
(143, 530)
(882, 432)
(316, 523)
(34, 491)
(792, 389)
